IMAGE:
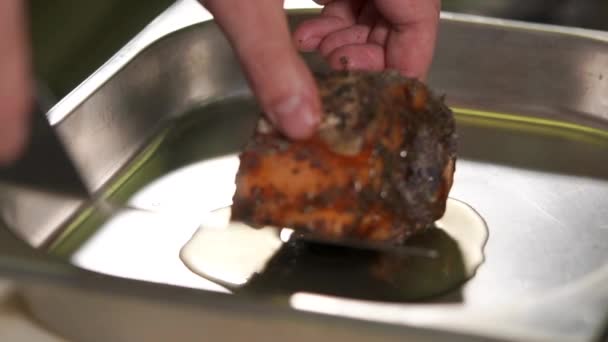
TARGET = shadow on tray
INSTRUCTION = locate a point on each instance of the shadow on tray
(365, 275)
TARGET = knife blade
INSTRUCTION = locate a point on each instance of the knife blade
(381, 247)
(45, 163)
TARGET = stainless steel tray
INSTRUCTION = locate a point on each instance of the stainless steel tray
(533, 121)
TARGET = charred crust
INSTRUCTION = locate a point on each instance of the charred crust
(243, 209)
(411, 139)
(302, 154)
(319, 224)
(249, 162)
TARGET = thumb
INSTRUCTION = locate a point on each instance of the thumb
(279, 78)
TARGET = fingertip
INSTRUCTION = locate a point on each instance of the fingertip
(297, 116)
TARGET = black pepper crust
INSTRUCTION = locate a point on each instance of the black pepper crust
(379, 167)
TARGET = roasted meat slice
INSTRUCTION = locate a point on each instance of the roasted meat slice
(378, 168)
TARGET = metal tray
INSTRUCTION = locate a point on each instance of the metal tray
(533, 121)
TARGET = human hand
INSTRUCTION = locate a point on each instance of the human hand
(374, 34)
(278, 76)
(14, 81)
(356, 34)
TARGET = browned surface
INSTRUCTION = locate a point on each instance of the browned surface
(379, 168)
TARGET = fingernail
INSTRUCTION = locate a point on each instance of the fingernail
(295, 117)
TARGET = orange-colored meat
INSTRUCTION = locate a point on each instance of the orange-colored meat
(379, 167)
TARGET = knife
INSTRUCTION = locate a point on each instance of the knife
(45, 163)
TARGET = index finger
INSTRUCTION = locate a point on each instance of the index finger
(280, 79)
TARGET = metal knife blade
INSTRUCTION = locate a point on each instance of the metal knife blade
(45, 163)
(403, 250)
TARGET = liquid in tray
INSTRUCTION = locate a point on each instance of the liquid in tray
(270, 261)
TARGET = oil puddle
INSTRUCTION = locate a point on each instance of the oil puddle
(272, 262)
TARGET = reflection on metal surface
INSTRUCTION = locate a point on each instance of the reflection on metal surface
(491, 321)
(137, 245)
(195, 189)
(588, 13)
(29, 213)
(181, 14)
(172, 209)
(528, 26)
